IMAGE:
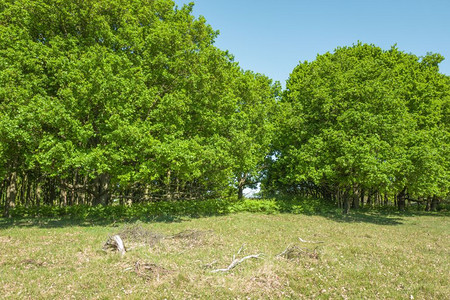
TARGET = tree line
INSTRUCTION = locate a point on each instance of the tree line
(130, 101)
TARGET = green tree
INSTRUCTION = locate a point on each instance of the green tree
(355, 119)
(124, 98)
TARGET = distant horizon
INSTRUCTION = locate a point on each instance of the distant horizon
(273, 39)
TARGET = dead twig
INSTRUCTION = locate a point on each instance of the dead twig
(208, 266)
(285, 251)
(312, 242)
(294, 251)
(236, 261)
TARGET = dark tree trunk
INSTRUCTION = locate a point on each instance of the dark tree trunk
(362, 196)
(28, 195)
(427, 204)
(11, 193)
(369, 197)
(355, 201)
(434, 204)
(346, 204)
(2, 186)
(101, 194)
(401, 202)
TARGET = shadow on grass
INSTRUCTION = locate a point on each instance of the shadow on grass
(374, 215)
(88, 216)
(170, 212)
(317, 207)
(66, 221)
(381, 216)
(366, 217)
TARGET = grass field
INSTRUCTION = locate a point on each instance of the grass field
(363, 256)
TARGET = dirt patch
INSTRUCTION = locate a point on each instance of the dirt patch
(5, 239)
(192, 235)
(150, 271)
(31, 263)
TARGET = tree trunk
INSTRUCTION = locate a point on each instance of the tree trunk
(346, 203)
(11, 193)
(63, 194)
(401, 203)
(355, 202)
(434, 204)
(362, 195)
(369, 198)
(101, 195)
(241, 185)
(2, 186)
(168, 189)
(28, 196)
(37, 195)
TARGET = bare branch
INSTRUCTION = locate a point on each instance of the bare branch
(312, 242)
(236, 262)
(240, 249)
(207, 266)
(285, 251)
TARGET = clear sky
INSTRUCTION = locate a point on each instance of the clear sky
(271, 37)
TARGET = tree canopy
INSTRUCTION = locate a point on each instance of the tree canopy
(364, 119)
(129, 98)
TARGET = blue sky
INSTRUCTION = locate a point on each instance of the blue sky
(271, 37)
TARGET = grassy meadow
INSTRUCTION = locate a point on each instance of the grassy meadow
(365, 255)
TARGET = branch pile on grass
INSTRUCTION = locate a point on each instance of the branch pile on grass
(295, 251)
(140, 235)
(191, 234)
(236, 261)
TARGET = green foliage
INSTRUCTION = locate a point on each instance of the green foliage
(131, 96)
(364, 118)
(268, 206)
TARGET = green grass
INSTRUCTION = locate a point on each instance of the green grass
(373, 255)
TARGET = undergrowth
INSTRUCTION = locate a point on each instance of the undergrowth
(170, 209)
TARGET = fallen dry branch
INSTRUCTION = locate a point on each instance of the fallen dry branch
(312, 242)
(236, 261)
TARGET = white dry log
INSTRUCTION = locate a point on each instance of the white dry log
(120, 245)
(115, 243)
